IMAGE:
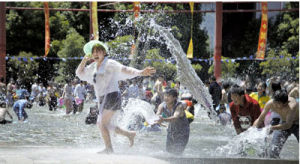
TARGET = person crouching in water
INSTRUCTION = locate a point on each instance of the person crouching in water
(19, 108)
(104, 74)
(92, 116)
(179, 127)
(288, 109)
(244, 109)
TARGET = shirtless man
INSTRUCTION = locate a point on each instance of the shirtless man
(3, 112)
(288, 109)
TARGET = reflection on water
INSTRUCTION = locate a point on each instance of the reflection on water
(45, 128)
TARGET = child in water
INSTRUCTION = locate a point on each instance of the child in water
(92, 116)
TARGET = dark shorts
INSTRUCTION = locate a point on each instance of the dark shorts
(5, 122)
(112, 101)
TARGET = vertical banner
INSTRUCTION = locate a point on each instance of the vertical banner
(262, 41)
(136, 11)
(95, 20)
(47, 29)
(190, 49)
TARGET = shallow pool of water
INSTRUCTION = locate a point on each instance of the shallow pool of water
(55, 129)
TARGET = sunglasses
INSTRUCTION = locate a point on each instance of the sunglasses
(94, 78)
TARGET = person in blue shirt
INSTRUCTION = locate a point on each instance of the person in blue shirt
(19, 109)
(21, 92)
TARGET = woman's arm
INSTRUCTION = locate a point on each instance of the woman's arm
(80, 68)
(148, 71)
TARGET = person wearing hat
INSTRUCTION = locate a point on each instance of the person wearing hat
(104, 73)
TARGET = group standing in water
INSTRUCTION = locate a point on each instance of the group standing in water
(234, 104)
(245, 110)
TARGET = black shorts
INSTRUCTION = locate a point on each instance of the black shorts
(112, 101)
(5, 122)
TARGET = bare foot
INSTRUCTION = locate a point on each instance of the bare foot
(106, 151)
(131, 138)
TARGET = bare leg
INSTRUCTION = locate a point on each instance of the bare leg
(129, 134)
(106, 117)
(68, 106)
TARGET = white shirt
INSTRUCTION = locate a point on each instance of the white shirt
(34, 89)
(79, 91)
(108, 75)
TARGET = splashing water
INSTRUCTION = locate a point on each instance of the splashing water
(137, 107)
(251, 143)
(185, 71)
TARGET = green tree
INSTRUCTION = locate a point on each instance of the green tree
(26, 32)
(71, 47)
(23, 68)
(284, 32)
(277, 64)
(283, 41)
(228, 67)
(154, 59)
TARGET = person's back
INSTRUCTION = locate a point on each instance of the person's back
(80, 91)
(215, 91)
(19, 109)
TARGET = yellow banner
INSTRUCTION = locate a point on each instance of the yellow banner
(262, 41)
(95, 20)
(192, 6)
(47, 29)
(190, 49)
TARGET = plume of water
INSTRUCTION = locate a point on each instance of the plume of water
(185, 71)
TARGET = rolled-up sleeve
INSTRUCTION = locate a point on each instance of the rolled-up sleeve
(124, 72)
(86, 74)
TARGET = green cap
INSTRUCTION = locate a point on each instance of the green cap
(88, 47)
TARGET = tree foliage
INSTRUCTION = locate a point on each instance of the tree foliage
(228, 67)
(71, 47)
(284, 44)
(22, 69)
(279, 65)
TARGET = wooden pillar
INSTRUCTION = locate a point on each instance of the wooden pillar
(218, 40)
(2, 40)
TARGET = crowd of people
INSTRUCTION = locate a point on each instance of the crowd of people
(109, 85)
